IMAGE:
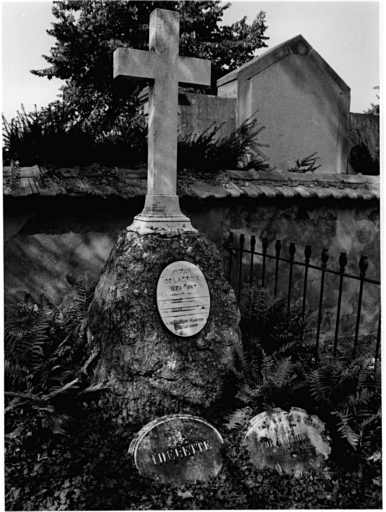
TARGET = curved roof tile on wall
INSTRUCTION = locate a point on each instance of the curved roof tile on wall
(229, 184)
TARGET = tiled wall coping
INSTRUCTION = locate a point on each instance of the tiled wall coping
(230, 183)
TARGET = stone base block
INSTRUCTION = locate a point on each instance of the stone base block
(162, 216)
(150, 370)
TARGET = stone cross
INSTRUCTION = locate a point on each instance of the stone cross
(164, 69)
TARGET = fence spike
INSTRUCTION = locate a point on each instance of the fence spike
(378, 345)
(363, 264)
(324, 257)
(342, 264)
(307, 256)
(253, 244)
(342, 261)
(264, 243)
(236, 251)
(277, 251)
(292, 250)
(241, 248)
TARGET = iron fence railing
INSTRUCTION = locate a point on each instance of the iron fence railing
(237, 249)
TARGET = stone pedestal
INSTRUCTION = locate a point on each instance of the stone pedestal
(161, 215)
(150, 370)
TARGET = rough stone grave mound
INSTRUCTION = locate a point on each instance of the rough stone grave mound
(151, 370)
(178, 449)
(290, 442)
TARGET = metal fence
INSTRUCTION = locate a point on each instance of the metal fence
(240, 274)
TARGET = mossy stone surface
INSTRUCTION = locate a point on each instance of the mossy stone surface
(150, 370)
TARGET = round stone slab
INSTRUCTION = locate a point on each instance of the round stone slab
(290, 441)
(178, 449)
(183, 298)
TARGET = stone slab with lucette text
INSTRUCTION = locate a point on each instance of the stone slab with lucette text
(178, 449)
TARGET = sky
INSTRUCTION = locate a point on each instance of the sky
(345, 34)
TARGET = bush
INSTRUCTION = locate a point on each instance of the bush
(361, 158)
(210, 153)
(55, 136)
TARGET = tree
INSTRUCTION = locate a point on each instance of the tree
(88, 32)
(374, 109)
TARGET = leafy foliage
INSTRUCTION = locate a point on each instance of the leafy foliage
(45, 365)
(87, 34)
(361, 157)
(74, 456)
(307, 164)
(269, 326)
(14, 177)
(374, 109)
(272, 358)
(350, 395)
(50, 138)
(95, 120)
(53, 136)
(211, 153)
(278, 369)
(91, 470)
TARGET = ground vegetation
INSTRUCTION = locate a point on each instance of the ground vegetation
(65, 451)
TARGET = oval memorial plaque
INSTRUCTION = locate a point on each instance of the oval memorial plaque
(178, 449)
(183, 298)
(288, 441)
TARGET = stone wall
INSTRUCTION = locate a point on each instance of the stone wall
(198, 112)
(47, 238)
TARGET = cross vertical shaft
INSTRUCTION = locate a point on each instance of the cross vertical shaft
(163, 104)
(163, 68)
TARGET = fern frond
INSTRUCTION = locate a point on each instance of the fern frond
(320, 385)
(347, 432)
(248, 394)
(282, 373)
(238, 419)
(268, 365)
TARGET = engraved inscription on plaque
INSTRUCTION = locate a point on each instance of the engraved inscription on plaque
(293, 440)
(183, 298)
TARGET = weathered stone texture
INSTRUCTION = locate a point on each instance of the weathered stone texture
(149, 369)
(41, 248)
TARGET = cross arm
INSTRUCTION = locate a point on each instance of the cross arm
(132, 64)
(194, 71)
